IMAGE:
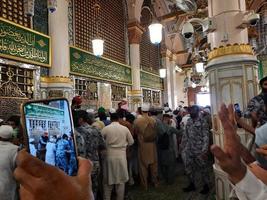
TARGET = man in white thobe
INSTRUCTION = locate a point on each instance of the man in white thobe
(115, 169)
(8, 155)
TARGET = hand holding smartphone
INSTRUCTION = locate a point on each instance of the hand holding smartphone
(49, 133)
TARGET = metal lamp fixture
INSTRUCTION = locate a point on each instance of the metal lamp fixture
(200, 67)
(155, 28)
(162, 73)
(155, 32)
(97, 43)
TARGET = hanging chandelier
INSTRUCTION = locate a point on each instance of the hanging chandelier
(155, 28)
(162, 72)
(97, 42)
(155, 32)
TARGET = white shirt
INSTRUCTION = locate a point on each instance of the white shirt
(117, 136)
(251, 188)
(7, 166)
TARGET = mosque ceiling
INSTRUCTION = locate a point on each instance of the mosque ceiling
(172, 15)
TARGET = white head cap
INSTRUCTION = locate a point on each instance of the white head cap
(145, 107)
(6, 131)
(31, 140)
(1, 120)
(206, 110)
(166, 109)
(112, 110)
(90, 111)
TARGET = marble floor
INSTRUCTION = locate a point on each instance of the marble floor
(172, 192)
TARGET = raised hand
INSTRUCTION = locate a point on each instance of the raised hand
(44, 182)
(229, 159)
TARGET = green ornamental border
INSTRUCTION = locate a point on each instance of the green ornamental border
(150, 80)
(84, 63)
(23, 44)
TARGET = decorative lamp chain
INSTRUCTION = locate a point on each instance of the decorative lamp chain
(97, 21)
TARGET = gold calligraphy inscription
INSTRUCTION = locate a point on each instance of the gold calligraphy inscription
(19, 43)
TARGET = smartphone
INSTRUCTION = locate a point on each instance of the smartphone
(237, 107)
(48, 129)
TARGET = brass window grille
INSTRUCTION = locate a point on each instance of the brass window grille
(23, 77)
(86, 88)
(118, 92)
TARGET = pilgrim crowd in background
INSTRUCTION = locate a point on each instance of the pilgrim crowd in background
(142, 148)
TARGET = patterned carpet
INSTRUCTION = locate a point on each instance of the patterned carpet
(172, 192)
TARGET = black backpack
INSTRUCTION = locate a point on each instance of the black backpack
(164, 141)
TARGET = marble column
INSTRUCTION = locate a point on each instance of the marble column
(168, 96)
(232, 72)
(58, 83)
(174, 83)
(135, 31)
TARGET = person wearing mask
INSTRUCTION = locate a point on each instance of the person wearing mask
(93, 144)
(42, 146)
(41, 181)
(115, 170)
(195, 147)
(62, 152)
(145, 130)
(166, 148)
(8, 185)
(32, 147)
(256, 106)
(50, 155)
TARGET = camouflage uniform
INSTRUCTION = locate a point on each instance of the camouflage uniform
(257, 105)
(195, 142)
(88, 147)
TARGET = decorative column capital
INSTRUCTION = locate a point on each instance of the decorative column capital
(135, 31)
(165, 53)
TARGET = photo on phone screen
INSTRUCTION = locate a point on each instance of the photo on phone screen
(237, 107)
(50, 136)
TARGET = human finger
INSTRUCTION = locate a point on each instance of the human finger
(85, 169)
(24, 178)
(264, 146)
(25, 194)
(30, 164)
(259, 172)
(231, 112)
(262, 151)
(219, 153)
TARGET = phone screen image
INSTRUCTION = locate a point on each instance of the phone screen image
(237, 107)
(50, 133)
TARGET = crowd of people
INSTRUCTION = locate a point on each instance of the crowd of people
(55, 150)
(141, 147)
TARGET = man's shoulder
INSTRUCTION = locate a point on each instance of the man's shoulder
(257, 98)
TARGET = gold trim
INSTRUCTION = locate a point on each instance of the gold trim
(98, 78)
(101, 57)
(18, 25)
(231, 50)
(56, 79)
(23, 59)
(146, 87)
(21, 98)
(150, 73)
(133, 92)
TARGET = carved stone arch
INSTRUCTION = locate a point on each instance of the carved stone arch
(134, 9)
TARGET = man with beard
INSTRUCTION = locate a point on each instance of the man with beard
(256, 106)
(195, 146)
